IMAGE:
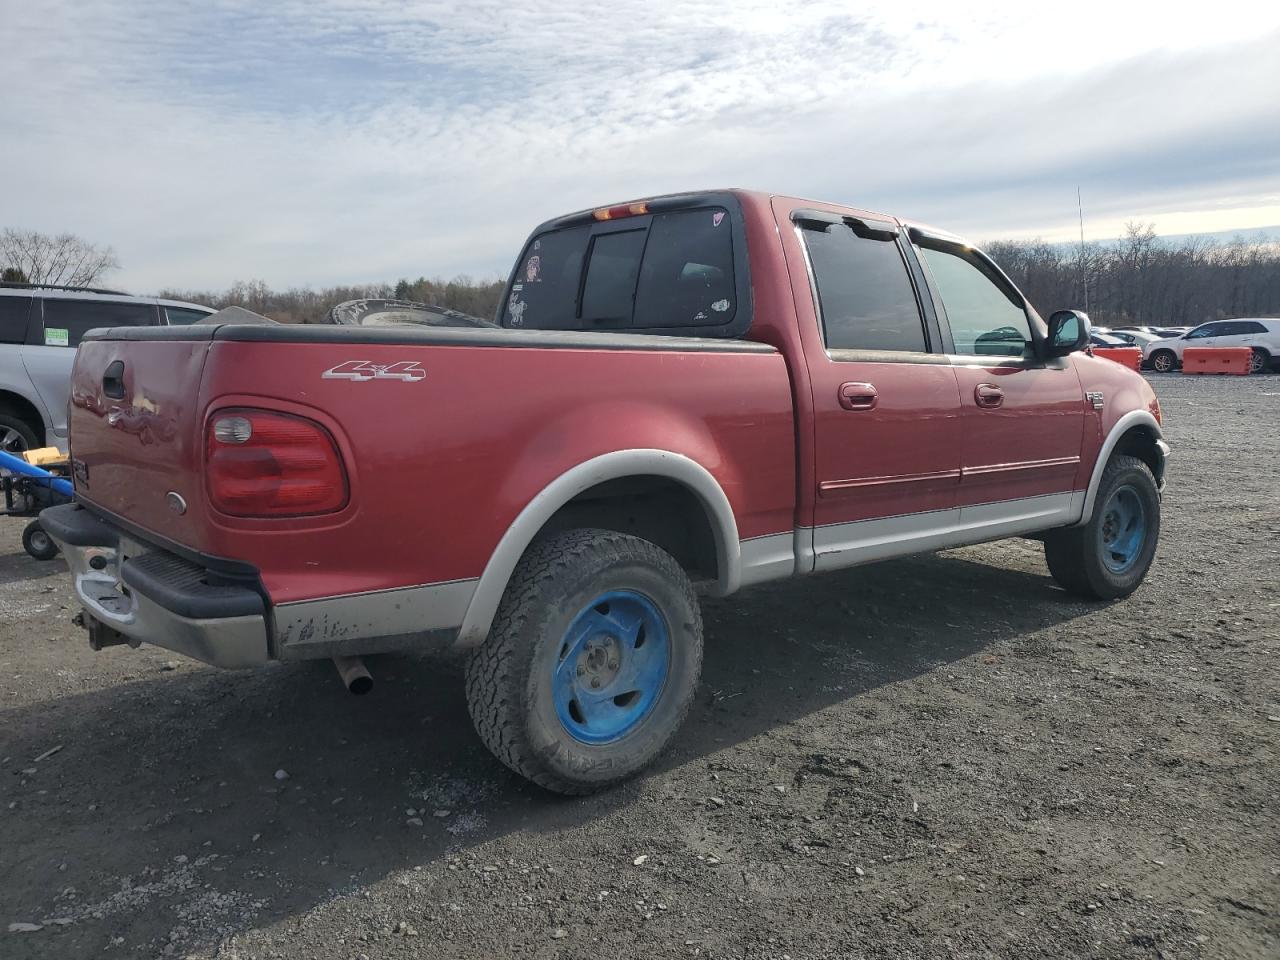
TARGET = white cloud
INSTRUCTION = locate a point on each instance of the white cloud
(314, 143)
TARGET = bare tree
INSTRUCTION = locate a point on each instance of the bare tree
(64, 259)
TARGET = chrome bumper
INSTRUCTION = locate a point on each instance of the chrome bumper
(149, 596)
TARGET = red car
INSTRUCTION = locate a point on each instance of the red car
(703, 391)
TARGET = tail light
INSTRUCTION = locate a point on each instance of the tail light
(260, 463)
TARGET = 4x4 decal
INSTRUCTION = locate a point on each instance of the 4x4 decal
(367, 370)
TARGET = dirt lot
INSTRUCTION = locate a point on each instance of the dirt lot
(936, 757)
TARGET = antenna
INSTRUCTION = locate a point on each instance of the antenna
(1084, 272)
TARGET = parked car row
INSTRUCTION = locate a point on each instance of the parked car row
(1163, 353)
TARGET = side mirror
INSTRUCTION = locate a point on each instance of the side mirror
(1068, 332)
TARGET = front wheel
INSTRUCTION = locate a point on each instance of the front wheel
(592, 661)
(1109, 556)
(1163, 361)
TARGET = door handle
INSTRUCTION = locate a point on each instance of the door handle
(113, 380)
(988, 395)
(858, 396)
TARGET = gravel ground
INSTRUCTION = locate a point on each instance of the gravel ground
(936, 757)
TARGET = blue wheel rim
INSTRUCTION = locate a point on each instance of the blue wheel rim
(611, 666)
(1123, 530)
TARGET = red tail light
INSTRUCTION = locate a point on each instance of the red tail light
(265, 464)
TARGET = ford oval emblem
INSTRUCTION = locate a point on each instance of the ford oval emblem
(176, 503)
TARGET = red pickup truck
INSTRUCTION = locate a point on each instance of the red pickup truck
(703, 391)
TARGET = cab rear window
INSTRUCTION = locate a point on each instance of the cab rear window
(666, 271)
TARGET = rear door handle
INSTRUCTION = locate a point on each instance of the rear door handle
(858, 396)
(988, 395)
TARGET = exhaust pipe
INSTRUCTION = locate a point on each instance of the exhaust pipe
(355, 675)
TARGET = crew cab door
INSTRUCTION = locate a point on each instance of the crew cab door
(885, 407)
(1022, 418)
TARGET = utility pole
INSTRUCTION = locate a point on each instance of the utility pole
(1084, 272)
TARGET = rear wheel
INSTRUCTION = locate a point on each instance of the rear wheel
(1259, 361)
(1109, 556)
(16, 435)
(1163, 361)
(38, 543)
(592, 661)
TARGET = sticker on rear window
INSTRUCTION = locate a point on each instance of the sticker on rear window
(717, 217)
(533, 269)
(57, 337)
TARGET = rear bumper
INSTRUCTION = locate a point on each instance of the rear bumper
(151, 596)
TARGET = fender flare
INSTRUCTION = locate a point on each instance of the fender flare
(610, 466)
(1134, 418)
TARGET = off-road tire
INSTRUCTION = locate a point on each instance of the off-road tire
(1164, 361)
(1074, 554)
(509, 675)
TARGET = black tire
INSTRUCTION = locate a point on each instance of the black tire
(1077, 555)
(1164, 361)
(509, 676)
(16, 435)
(1259, 361)
(38, 543)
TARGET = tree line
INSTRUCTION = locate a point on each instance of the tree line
(1137, 279)
(1142, 279)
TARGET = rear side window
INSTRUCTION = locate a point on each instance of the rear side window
(67, 321)
(181, 316)
(13, 319)
(865, 295)
(661, 272)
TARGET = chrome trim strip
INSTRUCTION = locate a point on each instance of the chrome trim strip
(1019, 465)
(828, 485)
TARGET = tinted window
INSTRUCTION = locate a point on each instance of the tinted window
(1208, 330)
(608, 294)
(67, 321)
(656, 272)
(687, 276)
(864, 293)
(1252, 326)
(13, 319)
(986, 318)
(544, 294)
(180, 316)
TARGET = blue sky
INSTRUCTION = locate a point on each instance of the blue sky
(333, 142)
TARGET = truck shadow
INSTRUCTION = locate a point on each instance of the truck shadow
(169, 783)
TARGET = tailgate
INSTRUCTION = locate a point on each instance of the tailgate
(135, 429)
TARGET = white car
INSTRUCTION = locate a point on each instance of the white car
(1134, 338)
(1262, 335)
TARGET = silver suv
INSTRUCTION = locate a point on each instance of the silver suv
(40, 328)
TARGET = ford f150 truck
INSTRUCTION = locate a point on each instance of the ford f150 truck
(707, 391)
